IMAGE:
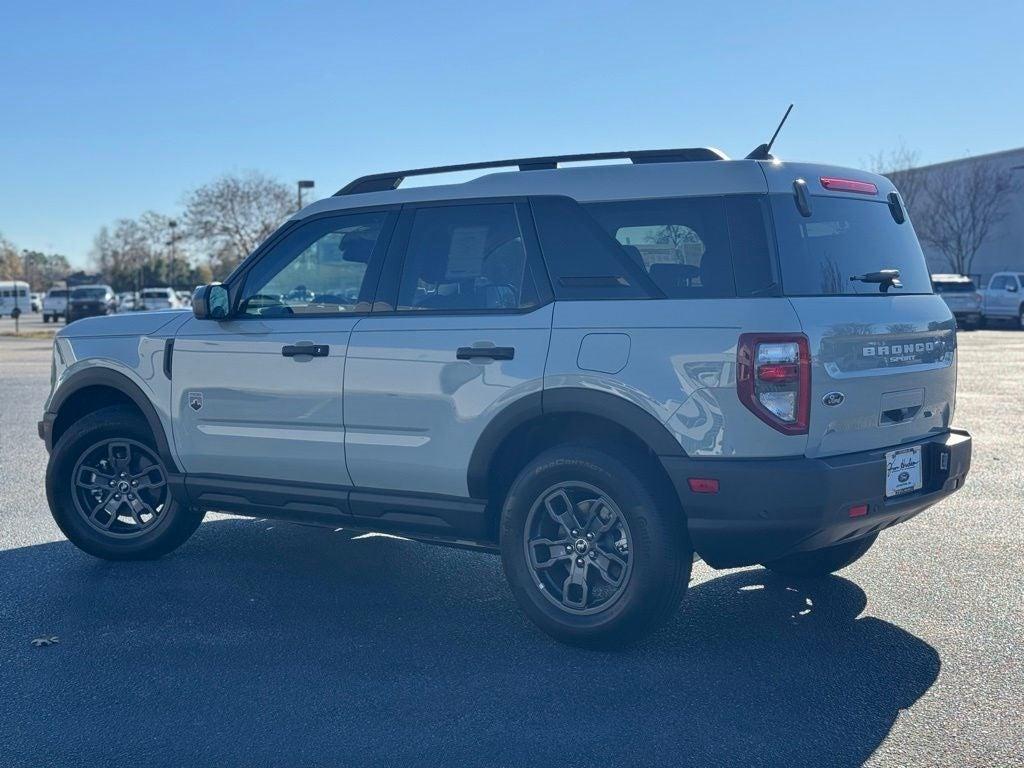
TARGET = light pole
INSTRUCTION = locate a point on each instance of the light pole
(304, 184)
(173, 242)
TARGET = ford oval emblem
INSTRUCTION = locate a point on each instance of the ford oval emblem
(833, 398)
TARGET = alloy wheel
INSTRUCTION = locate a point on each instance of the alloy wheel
(120, 488)
(578, 547)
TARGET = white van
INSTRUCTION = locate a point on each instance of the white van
(14, 298)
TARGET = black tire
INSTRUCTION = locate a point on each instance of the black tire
(168, 528)
(46, 319)
(658, 553)
(822, 562)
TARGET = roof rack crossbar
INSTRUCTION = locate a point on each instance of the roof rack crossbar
(381, 182)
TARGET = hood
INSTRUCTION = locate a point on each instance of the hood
(127, 324)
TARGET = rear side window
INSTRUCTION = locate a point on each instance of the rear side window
(677, 248)
(843, 239)
(681, 243)
(583, 261)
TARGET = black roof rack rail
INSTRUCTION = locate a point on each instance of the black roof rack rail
(382, 182)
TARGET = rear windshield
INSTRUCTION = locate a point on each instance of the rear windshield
(157, 294)
(949, 286)
(88, 293)
(58, 293)
(842, 239)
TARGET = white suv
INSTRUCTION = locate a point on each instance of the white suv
(158, 298)
(602, 372)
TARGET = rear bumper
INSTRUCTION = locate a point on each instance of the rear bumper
(767, 508)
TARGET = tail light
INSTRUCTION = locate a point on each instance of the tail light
(773, 379)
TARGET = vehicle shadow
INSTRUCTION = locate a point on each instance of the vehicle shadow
(267, 643)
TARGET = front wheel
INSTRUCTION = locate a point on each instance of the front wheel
(108, 489)
(822, 562)
(595, 552)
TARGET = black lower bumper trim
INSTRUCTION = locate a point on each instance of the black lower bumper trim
(768, 508)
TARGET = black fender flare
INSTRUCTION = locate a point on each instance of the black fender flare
(593, 402)
(107, 377)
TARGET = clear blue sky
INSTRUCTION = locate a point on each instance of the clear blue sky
(109, 109)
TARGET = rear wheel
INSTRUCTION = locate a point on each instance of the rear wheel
(1020, 317)
(108, 489)
(822, 562)
(595, 556)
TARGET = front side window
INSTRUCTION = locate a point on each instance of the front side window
(318, 269)
(466, 257)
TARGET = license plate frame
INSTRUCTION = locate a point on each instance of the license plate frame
(904, 471)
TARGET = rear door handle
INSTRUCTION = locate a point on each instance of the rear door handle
(313, 350)
(492, 353)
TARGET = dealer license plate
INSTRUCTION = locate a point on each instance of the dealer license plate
(903, 471)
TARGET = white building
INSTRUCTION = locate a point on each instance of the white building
(1004, 247)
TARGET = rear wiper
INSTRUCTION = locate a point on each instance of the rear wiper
(886, 279)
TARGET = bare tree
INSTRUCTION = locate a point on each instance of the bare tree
(133, 253)
(962, 204)
(902, 167)
(232, 215)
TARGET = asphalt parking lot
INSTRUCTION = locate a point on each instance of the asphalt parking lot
(261, 643)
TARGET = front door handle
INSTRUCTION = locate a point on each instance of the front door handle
(492, 353)
(313, 350)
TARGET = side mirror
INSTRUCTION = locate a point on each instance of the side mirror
(1011, 287)
(211, 302)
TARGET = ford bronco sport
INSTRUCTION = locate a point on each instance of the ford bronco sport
(603, 372)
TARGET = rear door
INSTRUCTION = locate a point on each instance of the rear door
(883, 356)
(259, 395)
(459, 330)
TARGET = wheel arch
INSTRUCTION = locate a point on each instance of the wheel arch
(570, 414)
(94, 388)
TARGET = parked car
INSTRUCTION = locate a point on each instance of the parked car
(55, 304)
(158, 298)
(90, 301)
(36, 301)
(962, 297)
(14, 298)
(184, 298)
(1003, 300)
(600, 372)
(127, 301)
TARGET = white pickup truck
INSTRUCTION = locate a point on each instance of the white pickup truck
(1004, 298)
(55, 304)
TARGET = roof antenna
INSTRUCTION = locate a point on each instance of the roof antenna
(764, 152)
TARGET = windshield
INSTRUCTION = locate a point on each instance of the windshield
(89, 293)
(843, 239)
(959, 286)
(58, 294)
(155, 295)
